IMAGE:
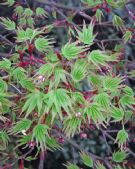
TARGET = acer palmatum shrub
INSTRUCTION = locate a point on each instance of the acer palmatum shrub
(43, 101)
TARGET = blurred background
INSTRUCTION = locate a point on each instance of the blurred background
(89, 140)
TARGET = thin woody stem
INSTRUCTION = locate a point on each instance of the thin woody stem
(42, 158)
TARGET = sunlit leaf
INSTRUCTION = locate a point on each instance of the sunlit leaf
(86, 35)
(79, 70)
(112, 83)
(34, 100)
(42, 44)
(27, 84)
(99, 58)
(72, 50)
(5, 64)
(117, 114)
(10, 25)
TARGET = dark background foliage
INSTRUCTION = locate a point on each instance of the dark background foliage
(94, 141)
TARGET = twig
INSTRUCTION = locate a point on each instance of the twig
(69, 8)
(15, 88)
(42, 158)
(6, 40)
(93, 156)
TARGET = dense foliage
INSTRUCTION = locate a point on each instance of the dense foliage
(43, 101)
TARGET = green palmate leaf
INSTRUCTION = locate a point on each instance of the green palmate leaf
(78, 97)
(34, 100)
(99, 14)
(72, 51)
(86, 35)
(116, 3)
(52, 144)
(127, 100)
(4, 139)
(41, 12)
(2, 95)
(31, 34)
(132, 73)
(121, 138)
(117, 114)
(118, 47)
(4, 103)
(52, 56)
(9, 2)
(9, 25)
(95, 80)
(119, 167)
(112, 83)
(22, 35)
(30, 22)
(19, 11)
(19, 74)
(46, 70)
(3, 86)
(59, 98)
(103, 100)
(119, 156)
(94, 112)
(71, 126)
(5, 64)
(127, 36)
(86, 159)
(128, 91)
(59, 75)
(27, 84)
(71, 166)
(28, 12)
(22, 22)
(98, 58)
(42, 44)
(21, 126)
(79, 70)
(99, 166)
(128, 116)
(28, 34)
(25, 139)
(118, 22)
(92, 3)
(40, 134)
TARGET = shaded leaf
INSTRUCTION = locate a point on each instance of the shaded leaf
(119, 156)
(86, 160)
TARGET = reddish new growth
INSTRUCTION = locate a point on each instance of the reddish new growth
(32, 60)
(104, 6)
